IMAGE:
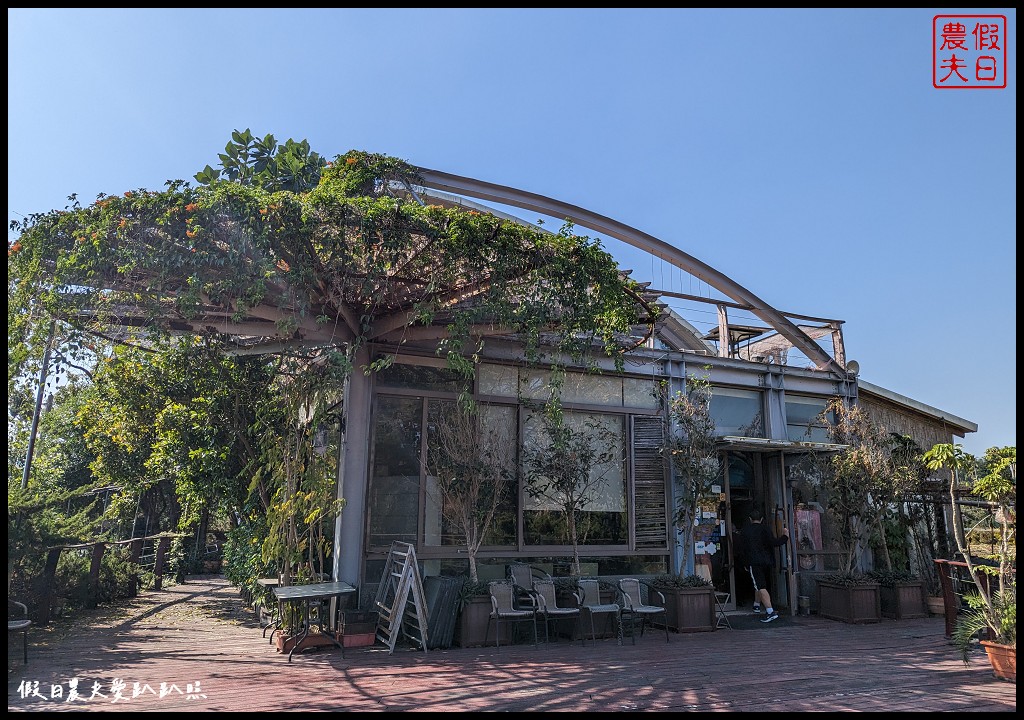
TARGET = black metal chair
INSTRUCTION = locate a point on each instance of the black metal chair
(523, 576)
(17, 621)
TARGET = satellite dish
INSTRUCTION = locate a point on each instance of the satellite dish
(853, 367)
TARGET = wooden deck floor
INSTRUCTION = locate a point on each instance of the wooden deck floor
(203, 644)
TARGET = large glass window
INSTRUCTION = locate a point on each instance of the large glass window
(591, 505)
(394, 494)
(471, 473)
(737, 412)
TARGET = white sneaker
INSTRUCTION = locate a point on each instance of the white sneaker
(769, 618)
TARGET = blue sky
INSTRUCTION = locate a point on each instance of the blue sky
(804, 153)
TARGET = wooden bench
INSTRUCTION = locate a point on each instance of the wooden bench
(17, 621)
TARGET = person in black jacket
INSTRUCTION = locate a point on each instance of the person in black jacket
(759, 552)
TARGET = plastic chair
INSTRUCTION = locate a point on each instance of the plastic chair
(548, 607)
(504, 606)
(635, 609)
(591, 605)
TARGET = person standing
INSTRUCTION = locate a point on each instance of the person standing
(759, 551)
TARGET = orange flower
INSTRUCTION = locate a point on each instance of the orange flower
(128, 193)
(122, 223)
(283, 265)
(351, 161)
(191, 207)
(191, 234)
(14, 248)
(263, 211)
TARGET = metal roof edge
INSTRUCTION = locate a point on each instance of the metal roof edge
(948, 418)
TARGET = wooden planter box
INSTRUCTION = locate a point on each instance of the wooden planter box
(903, 601)
(471, 629)
(690, 609)
(852, 604)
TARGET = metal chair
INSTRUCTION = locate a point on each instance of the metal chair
(721, 600)
(17, 621)
(505, 606)
(523, 576)
(634, 608)
(548, 607)
(591, 605)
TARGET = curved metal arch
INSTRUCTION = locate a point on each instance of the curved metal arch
(437, 180)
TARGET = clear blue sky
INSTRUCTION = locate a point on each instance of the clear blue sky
(804, 153)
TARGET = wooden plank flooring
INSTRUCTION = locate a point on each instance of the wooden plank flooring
(200, 638)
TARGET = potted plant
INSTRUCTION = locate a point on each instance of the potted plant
(991, 617)
(850, 597)
(474, 611)
(692, 449)
(858, 486)
(473, 466)
(901, 594)
(689, 602)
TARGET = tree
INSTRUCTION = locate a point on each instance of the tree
(566, 462)
(862, 482)
(472, 458)
(992, 609)
(692, 451)
(301, 262)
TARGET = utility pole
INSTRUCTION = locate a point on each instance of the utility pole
(39, 405)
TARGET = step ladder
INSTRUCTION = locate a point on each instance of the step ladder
(400, 602)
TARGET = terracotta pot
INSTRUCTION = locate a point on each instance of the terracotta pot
(1003, 659)
(285, 643)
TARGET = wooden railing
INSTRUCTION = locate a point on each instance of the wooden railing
(97, 549)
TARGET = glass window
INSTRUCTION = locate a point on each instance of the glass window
(470, 474)
(420, 377)
(804, 419)
(737, 412)
(394, 493)
(598, 497)
(640, 393)
(500, 380)
(583, 389)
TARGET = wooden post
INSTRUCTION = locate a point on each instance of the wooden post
(94, 573)
(161, 556)
(134, 553)
(47, 585)
(948, 597)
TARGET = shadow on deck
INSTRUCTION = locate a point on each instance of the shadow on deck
(199, 646)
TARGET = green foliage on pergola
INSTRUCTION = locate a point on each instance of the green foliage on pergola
(302, 262)
(357, 258)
